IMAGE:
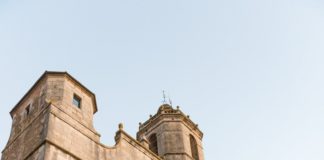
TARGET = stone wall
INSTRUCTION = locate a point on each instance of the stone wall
(69, 138)
(127, 148)
(28, 142)
(68, 134)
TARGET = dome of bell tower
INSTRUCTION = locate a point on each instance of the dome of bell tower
(165, 107)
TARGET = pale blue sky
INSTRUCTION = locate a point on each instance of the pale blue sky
(249, 72)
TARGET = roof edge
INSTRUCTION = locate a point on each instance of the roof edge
(122, 132)
(46, 73)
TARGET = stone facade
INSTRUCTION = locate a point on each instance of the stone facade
(54, 121)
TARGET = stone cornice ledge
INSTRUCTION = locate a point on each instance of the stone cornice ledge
(122, 135)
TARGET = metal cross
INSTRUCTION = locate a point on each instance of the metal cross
(164, 97)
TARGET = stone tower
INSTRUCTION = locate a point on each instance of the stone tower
(172, 135)
(55, 113)
(54, 121)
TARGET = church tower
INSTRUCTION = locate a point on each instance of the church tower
(52, 120)
(172, 135)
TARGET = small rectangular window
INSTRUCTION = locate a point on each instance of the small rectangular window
(76, 101)
(27, 110)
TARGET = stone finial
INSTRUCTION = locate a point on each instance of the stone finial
(188, 116)
(140, 123)
(120, 126)
(47, 100)
(178, 107)
(151, 116)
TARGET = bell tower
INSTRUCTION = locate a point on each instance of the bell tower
(172, 135)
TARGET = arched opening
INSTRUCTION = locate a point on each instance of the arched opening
(194, 148)
(153, 144)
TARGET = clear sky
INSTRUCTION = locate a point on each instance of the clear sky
(249, 72)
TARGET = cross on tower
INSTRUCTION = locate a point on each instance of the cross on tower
(164, 101)
(164, 97)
